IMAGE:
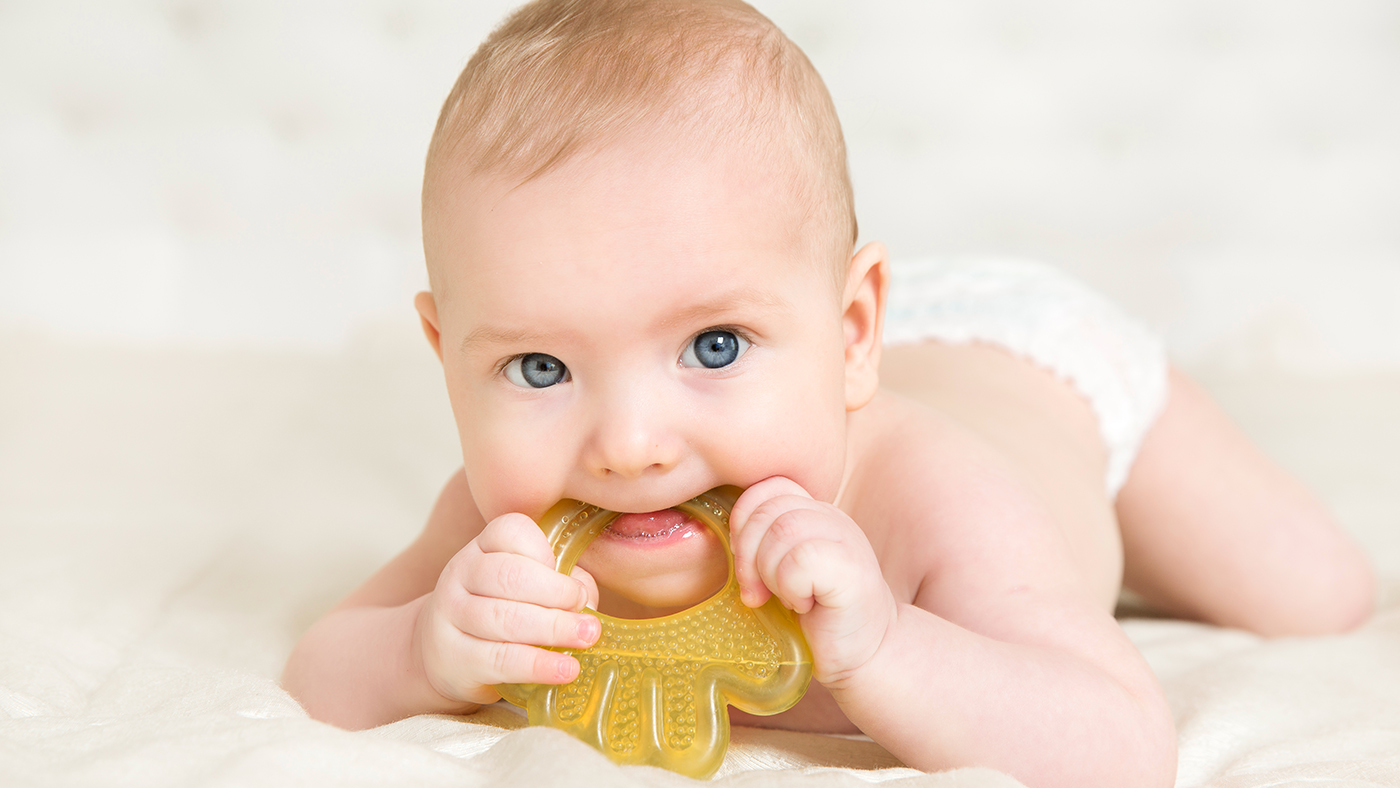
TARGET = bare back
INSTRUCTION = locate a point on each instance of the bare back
(1038, 424)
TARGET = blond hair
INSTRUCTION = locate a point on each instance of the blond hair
(563, 77)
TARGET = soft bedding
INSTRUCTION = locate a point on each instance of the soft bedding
(171, 521)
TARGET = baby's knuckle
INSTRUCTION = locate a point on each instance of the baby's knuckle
(501, 657)
(807, 555)
(787, 527)
(769, 508)
(543, 667)
(508, 619)
(509, 575)
(453, 605)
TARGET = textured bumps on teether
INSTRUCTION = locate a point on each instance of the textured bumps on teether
(654, 691)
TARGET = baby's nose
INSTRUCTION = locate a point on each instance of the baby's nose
(633, 436)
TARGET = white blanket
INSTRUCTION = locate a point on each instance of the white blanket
(170, 522)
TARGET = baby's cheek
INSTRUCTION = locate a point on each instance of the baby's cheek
(810, 452)
(510, 476)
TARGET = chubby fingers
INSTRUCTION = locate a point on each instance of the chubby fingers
(758, 494)
(514, 561)
(750, 523)
(804, 548)
(804, 563)
(494, 663)
(502, 619)
(504, 599)
(517, 534)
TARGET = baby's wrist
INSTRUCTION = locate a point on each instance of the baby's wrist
(422, 693)
(853, 679)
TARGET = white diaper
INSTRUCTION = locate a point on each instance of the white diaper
(1047, 317)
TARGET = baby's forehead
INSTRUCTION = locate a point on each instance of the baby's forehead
(640, 208)
(652, 169)
(719, 130)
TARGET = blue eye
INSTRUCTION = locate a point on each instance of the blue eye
(536, 371)
(714, 349)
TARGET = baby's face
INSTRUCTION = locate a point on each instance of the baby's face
(631, 330)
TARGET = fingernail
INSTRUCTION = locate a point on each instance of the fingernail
(568, 670)
(589, 629)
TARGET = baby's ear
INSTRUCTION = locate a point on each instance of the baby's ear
(427, 312)
(863, 321)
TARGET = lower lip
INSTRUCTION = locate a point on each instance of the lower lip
(653, 529)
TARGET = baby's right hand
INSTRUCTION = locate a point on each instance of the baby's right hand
(498, 599)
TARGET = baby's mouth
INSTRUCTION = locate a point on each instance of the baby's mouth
(649, 526)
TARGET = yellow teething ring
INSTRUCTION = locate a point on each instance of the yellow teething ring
(654, 691)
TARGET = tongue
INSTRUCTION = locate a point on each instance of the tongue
(647, 524)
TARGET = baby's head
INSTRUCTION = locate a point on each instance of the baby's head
(561, 80)
(639, 230)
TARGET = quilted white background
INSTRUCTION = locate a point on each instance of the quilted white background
(246, 173)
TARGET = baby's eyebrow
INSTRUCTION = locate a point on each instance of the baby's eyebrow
(714, 308)
(495, 335)
(739, 300)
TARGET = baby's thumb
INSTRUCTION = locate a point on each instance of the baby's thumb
(589, 585)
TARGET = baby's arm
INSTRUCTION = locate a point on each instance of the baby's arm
(1036, 683)
(458, 611)
(1002, 660)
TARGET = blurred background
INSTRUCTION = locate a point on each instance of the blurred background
(209, 240)
(202, 173)
(217, 411)
(218, 414)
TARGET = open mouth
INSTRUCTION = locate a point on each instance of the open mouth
(652, 527)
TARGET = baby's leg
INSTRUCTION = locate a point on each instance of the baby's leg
(1214, 531)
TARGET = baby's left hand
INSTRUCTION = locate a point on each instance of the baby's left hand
(819, 563)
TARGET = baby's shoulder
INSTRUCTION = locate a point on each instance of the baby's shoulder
(937, 499)
(902, 450)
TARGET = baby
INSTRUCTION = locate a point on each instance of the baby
(640, 238)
